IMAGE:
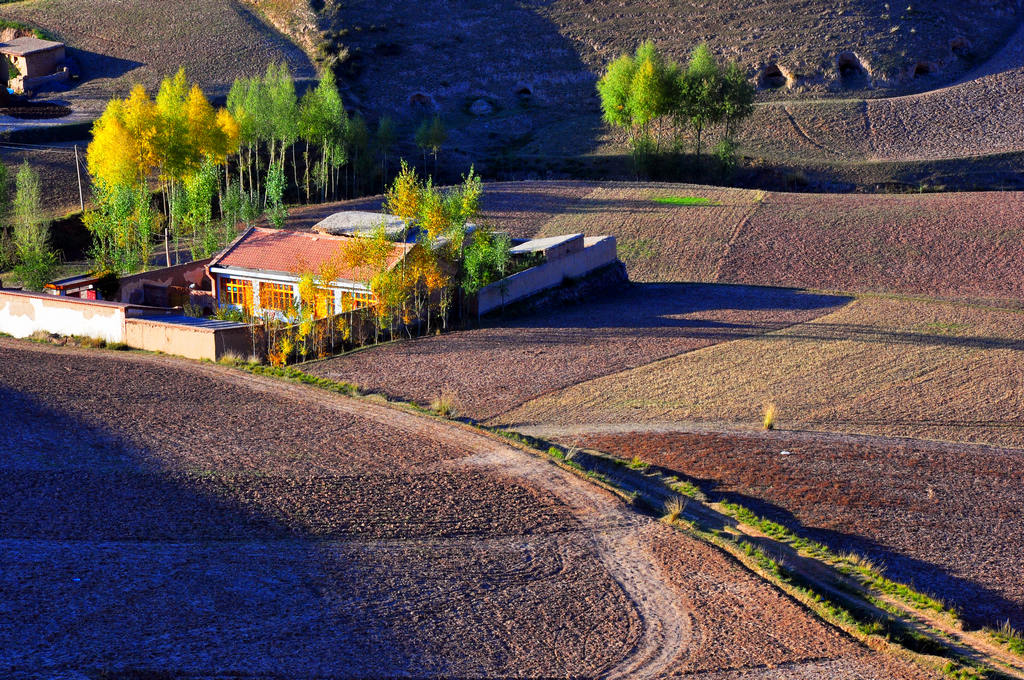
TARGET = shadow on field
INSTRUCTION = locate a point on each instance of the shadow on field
(654, 306)
(97, 65)
(111, 563)
(980, 605)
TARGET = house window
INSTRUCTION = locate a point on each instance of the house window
(350, 301)
(236, 292)
(276, 296)
(324, 302)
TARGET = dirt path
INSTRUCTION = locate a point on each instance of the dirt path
(617, 531)
(619, 535)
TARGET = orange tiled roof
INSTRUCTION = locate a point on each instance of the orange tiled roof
(287, 252)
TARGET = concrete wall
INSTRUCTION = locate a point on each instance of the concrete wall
(598, 251)
(132, 287)
(193, 342)
(22, 314)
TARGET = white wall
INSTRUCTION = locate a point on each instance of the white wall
(598, 252)
(22, 314)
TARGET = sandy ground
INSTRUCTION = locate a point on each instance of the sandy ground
(167, 517)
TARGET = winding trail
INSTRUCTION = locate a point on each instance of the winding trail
(616, 530)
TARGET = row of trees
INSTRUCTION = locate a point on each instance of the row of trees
(181, 145)
(177, 142)
(419, 292)
(25, 230)
(339, 153)
(658, 103)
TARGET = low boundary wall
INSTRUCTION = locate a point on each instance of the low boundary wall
(22, 314)
(149, 328)
(598, 251)
(197, 340)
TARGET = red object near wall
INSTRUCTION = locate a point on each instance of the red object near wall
(90, 294)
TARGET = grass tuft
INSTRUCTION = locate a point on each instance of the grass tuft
(770, 413)
(1009, 637)
(674, 509)
(637, 464)
(444, 404)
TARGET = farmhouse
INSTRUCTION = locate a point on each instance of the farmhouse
(260, 271)
(34, 60)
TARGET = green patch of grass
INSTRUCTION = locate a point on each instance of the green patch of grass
(290, 373)
(1009, 637)
(18, 26)
(684, 200)
(637, 464)
(686, 489)
(633, 250)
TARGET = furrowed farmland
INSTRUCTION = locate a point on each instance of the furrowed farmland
(939, 516)
(898, 368)
(392, 543)
(494, 368)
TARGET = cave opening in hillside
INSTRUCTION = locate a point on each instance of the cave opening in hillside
(852, 74)
(924, 68)
(772, 77)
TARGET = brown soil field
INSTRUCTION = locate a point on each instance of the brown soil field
(938, 516)
(506, 362)
(959, 245)
(119, 44)
(57, 178)
(162, 517)
(876, 366)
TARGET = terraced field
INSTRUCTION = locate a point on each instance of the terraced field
(494, 368)
(876, 366)
(938, 516)
(161, 517)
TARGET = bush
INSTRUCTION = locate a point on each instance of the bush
(444, 404)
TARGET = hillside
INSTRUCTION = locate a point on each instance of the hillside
(119, 44)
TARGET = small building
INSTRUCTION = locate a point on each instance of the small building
(260, 271)
(34, 59)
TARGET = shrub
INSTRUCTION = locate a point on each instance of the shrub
(444, 404)
(770, 413)
(674, 509)
(637, 464)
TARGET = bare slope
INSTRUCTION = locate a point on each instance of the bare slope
(119, 44)
(293, 533)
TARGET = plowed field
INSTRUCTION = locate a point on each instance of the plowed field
(118, 44)
(959, 245)
(876, 366)
(165, 518)
(492, 369)
(941, 517)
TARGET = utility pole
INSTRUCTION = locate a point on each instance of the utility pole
(78, 171)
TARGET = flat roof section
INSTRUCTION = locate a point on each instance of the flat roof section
(542, 244)
(20, 47)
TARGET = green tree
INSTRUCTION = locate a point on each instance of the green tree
(36, 262)
(431, 136)
(122, 226)
(277, 213)
(701, 101)
(7, 252)
(637, 94)
(738, 100)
